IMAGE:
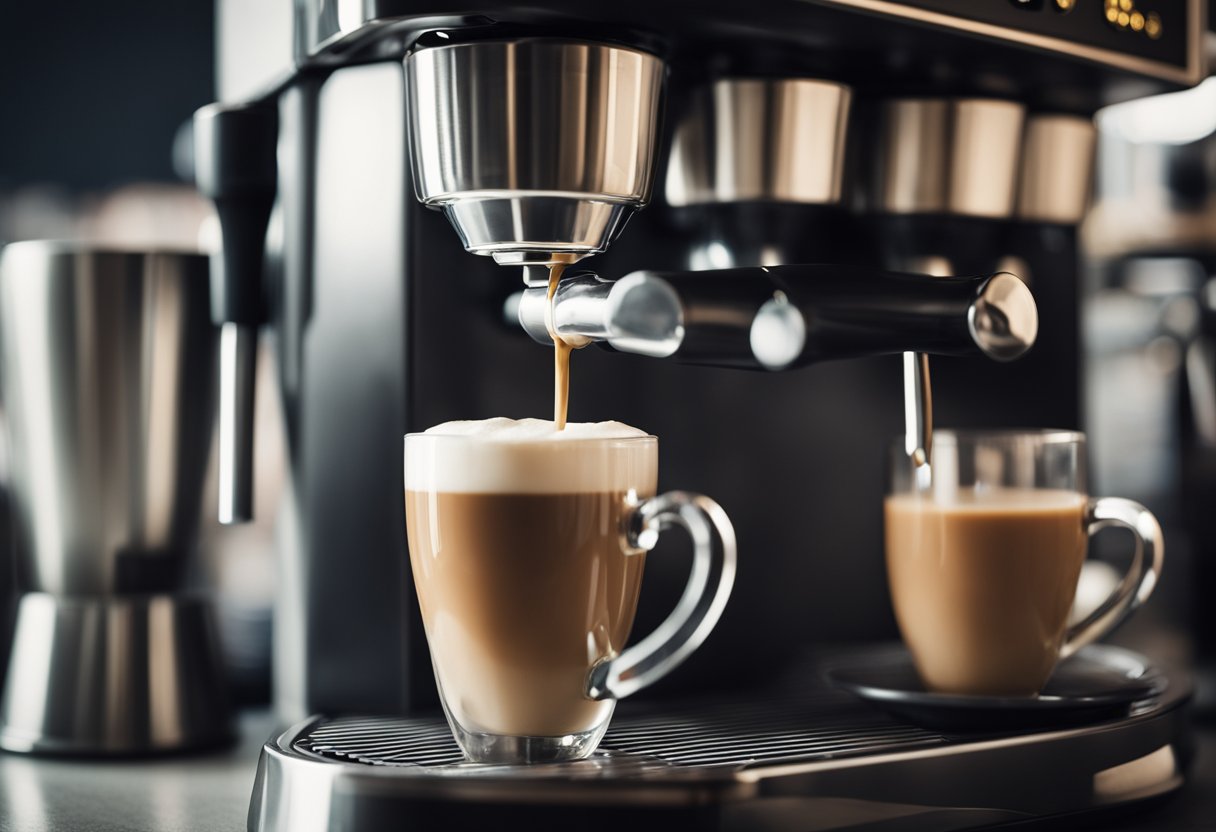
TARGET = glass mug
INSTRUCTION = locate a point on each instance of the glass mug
(527, 558)
(983, 565)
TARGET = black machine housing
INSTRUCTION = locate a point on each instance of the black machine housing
(382, 324)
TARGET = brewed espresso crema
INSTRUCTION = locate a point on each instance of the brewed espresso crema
(519, 558)
(982, 584)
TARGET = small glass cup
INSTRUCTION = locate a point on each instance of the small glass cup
(983, 564)
(527, 558)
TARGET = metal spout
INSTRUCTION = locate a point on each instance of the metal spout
(639, 313)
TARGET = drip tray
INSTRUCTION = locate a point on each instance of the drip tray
(805, 757)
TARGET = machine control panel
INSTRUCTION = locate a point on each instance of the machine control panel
(1156, 37)
(1127, 15)
(1095, 47)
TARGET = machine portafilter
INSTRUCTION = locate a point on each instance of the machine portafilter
(536, 150)
(108, 361)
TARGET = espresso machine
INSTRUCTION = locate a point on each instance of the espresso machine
(820, 180)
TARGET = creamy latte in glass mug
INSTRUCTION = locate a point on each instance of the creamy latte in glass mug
(528, 547)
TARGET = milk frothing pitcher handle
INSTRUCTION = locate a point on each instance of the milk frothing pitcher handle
(1141, 578)
(699, 608)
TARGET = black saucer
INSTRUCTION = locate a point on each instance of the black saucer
(1099, 683)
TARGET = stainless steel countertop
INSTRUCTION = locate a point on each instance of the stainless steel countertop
(210, 793)
(202, 793)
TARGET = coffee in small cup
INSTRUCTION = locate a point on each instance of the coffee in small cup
(983, 561)
(982, 584)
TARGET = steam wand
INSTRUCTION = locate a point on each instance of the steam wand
(918, 418)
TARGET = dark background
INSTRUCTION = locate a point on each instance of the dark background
(92, 93)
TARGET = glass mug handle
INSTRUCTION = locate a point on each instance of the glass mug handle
(1141, 578)
(699, 608)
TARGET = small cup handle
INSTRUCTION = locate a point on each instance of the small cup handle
(1141, 578)
(699, 608)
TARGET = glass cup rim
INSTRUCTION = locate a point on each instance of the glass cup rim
(609, 441)
(952, 437)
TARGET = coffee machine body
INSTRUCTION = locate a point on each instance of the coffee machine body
(383, 324)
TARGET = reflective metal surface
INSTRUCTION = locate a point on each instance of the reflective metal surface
(778, 333)
(949, 156)
(114, 676)
(759, 140)
(211, 793)
(107, 371)
(108, 361)
(531, 230)
(533, 147)
(237, 377)
(785, 317)
(918, 417)
(1057, 169)
(1004, 320)
(637, 313)
(766, 760)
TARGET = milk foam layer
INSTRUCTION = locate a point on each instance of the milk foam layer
(1004, 500)
(530, 456)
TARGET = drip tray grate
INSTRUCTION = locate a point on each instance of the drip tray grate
(803, 726)
(797, 756)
